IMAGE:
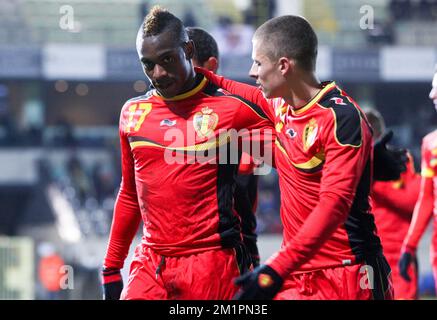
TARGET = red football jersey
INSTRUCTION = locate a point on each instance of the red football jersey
(393, 204)
(324, 160)
(427, 203)
(174, 178)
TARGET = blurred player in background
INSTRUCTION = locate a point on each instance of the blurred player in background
(393, 204)
(192, 245)
(324, 161)
(427, 203)
(206, 55)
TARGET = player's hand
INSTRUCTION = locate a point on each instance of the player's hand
(208, 74)
(112, 284)
(388, 162)
(263, 283)
(408, 257)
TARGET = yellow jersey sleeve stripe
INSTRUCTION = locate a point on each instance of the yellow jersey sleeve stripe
(427, 173)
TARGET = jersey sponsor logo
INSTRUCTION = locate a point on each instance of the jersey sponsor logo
(167, 123)
(291, 133)
(205, 122)
(338, 101)
(309, 134)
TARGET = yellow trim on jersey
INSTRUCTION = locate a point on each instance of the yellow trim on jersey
(135, 144)
(278, 144)
(312, 163)
(313, 100)
(213, 143)
(185, 95)
(335, 131)
(427, 173)
(335, 124)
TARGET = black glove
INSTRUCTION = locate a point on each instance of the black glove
(112, 284)
(407, 258)
(388, 162)
(263, 283)
(255, 260)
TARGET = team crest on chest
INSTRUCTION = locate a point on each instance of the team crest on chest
(205, 122)
(309, 134)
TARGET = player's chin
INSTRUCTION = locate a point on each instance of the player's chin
(266, 93)
(169, 91)
(270, 94)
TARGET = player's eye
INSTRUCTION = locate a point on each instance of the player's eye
(148, 65)
(168, 60)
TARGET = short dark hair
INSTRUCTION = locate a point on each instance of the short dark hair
(292, 37)
(204, 43)
(159, 20)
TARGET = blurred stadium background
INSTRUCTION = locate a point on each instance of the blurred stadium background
(63, 80)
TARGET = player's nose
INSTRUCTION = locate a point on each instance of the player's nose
(159, 72)
(253, 72)
(433, 93)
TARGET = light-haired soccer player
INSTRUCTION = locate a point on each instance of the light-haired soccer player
(426, 207)
(324, 162)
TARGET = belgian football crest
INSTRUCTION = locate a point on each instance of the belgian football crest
(309, 134)
(205, 122)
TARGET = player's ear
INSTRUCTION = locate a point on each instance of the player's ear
(285, 65)
(189, 49)
(211, 64)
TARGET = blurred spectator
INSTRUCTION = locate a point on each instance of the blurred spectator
(79, 178)
(233, 38)
(400, 9)
(64, 136)
(413, 9)
(50, 273)
(103, 181)
(189, 19)
(8, 131)
(260, 11)
(382, 33)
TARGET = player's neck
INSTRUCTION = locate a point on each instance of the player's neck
(192, 81)
(302, 89)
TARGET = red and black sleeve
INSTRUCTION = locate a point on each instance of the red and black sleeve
(127, 215)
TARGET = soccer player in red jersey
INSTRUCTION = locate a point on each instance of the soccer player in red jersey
(324, 160)
(206, 55)
(174, 178)
(393, 204)
(427, 203)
